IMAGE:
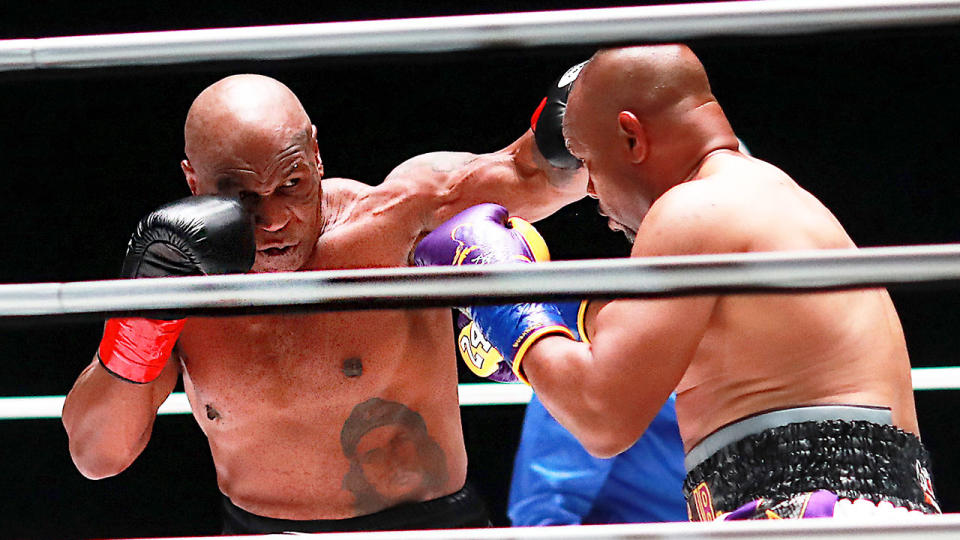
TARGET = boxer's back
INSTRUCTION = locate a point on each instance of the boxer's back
(762, 352)
(316, 416)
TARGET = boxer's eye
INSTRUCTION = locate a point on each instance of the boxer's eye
(291, 183)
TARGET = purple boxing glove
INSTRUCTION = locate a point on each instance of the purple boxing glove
(483, 234)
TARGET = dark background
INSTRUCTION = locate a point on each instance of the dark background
(867, 121)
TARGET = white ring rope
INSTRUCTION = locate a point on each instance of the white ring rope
(471, 394)
(381, 288)
(470, 32)
(876, 527)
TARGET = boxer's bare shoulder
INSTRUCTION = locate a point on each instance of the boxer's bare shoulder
(339, 200)
(434, 179)
(432, 163)
(437, 185)
(738, 203)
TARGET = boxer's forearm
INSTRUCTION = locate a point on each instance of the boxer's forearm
(544, 189)
(109, 420)
(564, 375)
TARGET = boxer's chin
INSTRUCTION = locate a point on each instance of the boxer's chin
(285, 259)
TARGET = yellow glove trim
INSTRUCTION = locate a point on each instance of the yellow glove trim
(536, 242)
(531, 339)
(582, 321)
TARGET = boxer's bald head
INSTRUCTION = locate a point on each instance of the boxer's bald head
(650, 81)
(241, 106)
(642, 118)
(248, 136)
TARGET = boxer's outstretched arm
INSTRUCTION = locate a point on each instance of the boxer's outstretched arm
(533, 177)
(109, 420)
(560, 186)
(439, 185)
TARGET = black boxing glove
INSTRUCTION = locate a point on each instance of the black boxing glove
(547, 121)
(198, 235)
(206, 234)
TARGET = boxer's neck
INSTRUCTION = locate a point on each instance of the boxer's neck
(695, 173)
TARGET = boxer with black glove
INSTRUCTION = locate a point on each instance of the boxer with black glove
(196, 235)
(275, 396)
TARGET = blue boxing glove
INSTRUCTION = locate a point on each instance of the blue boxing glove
(483, 234)
(485, 360)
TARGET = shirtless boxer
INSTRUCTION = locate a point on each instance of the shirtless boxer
(788, 405)
(328, 421)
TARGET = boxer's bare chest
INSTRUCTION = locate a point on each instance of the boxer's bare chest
(238, 365)
(286, 401)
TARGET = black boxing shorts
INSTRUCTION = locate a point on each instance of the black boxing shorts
(459, 510)
(819, 461)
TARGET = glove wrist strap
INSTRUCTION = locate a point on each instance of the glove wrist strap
(137, 349)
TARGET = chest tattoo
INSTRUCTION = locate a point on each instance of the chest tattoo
(352, 367)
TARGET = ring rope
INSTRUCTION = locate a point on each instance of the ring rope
(383, 288)
(471, 394)
(877, 527)
(470, 32)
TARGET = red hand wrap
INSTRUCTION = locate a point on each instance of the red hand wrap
(536, 114)
(137, 349)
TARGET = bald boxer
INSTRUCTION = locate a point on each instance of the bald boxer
(320, 422)
(788, 405)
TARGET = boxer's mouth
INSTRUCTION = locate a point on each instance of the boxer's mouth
(276, 250)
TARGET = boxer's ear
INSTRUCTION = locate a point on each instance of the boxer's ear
(190, 174)
(316, 149)
(633, 136)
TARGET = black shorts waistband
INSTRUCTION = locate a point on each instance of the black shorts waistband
(853, 459)
(462, 509)
(760, 422)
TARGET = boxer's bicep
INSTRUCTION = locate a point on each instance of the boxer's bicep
(429, 189)
(642, 348)
(607, 392)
